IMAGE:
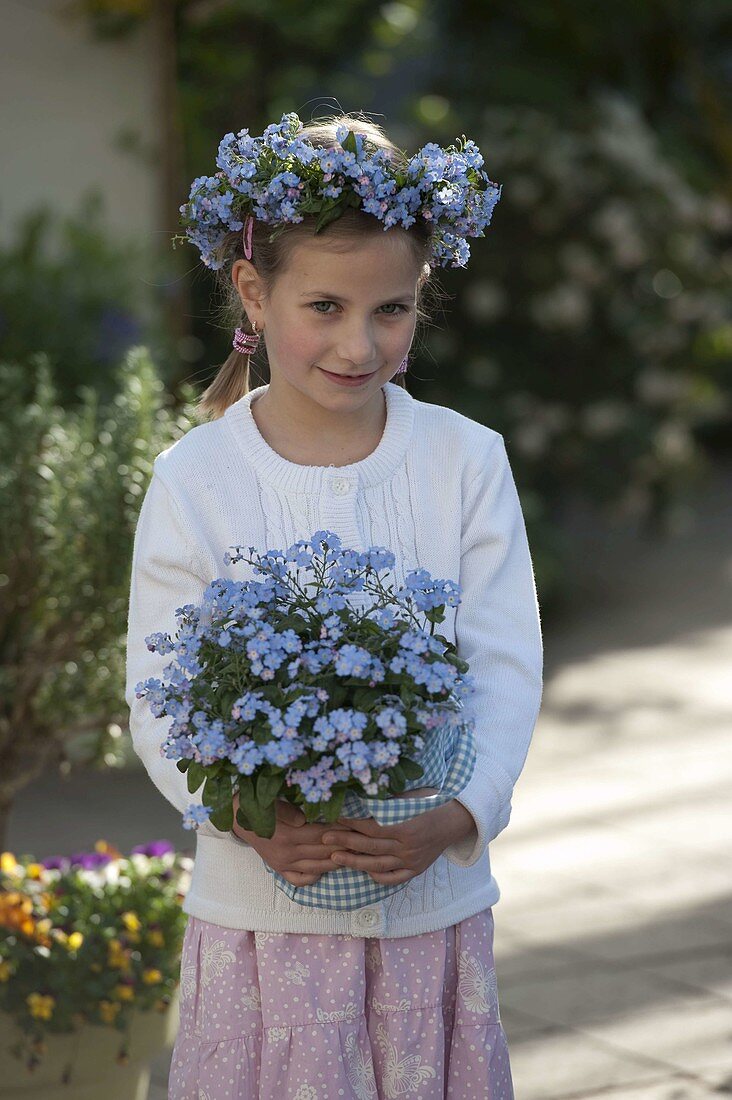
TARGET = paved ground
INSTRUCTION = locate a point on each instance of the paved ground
(614, 929)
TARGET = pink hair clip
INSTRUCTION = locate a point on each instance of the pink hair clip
(245, 342)
(247, 236)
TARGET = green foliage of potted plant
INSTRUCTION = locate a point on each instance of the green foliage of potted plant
(89, 968)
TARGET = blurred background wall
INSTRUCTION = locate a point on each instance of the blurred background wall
(75, 112)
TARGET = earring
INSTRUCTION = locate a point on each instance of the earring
(403, 366)
(246, 342)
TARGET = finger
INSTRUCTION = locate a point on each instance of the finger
(369, 845)
(366, 863)
(361, 824)
(296, 878)
(312, 866)
(291, 815)
(390, 878)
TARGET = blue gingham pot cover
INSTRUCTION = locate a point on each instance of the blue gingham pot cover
(448, 760)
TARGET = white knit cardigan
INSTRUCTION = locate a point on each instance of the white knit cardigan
(439, 492)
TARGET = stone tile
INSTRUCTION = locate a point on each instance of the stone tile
(564, 1063)
(674, 1087)
(643, 1015)
(710, 973)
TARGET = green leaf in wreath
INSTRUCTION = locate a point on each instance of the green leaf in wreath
(349, 145)
(328, 215)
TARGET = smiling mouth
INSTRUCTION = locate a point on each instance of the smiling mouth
(336, 375)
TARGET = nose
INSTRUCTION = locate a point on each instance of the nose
(359, 346)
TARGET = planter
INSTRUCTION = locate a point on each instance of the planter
(92, 1052)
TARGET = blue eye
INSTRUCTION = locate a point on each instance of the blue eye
(323, 313)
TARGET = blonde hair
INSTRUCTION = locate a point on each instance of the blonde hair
(270, 258)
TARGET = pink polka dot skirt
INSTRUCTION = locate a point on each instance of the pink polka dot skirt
(284, 1016)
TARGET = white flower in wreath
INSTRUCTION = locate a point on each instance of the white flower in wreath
(298, 973)
(400, 1074)
(360, 1068)
(478, 988)
(252, 999)
(187, 982)
(215, 957)
(349, 1013)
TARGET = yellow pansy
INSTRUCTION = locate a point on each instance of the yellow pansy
(35, 870)
(131, 921)
(107, 849)
(8, 863)
(109, 1011)
(40, 1006)
(151, 976)
(75, 941)
(116, 956)
(124, 992)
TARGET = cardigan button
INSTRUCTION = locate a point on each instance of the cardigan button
(340, 485)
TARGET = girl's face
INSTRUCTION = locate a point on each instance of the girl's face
(349, 312)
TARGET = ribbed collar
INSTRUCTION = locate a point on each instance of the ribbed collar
(293, 477)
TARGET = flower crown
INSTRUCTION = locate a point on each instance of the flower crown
(280, 176)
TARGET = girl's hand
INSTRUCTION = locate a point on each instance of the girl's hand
(396, 853)
(295, 849)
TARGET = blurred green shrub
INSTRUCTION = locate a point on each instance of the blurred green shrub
(71, 485)
(67, 289)
(596, 330)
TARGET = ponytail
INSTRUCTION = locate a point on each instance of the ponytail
(231, 382)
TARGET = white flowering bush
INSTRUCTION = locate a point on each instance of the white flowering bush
(596, 333)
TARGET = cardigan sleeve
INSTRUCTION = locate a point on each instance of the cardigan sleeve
(498, 631)
(166, 574)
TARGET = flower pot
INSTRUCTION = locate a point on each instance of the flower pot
(91, 1052)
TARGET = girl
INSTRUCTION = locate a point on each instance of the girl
(281, 999)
